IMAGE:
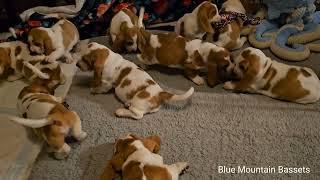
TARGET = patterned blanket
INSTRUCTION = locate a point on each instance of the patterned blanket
(92, 17)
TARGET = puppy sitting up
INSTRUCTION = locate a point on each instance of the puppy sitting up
(124, 29)
(54, 42)
(229, 36)
(137, 158)
(44, 112)
(133, 86)
(259, 74)
(175, 51)
(194, 25)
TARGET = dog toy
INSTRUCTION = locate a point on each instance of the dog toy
(289, 30)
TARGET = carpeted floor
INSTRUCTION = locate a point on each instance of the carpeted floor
(214, 128)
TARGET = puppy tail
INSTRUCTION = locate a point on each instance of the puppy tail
(141, 16)
(36, 70)
(179, 97)
(33, 123)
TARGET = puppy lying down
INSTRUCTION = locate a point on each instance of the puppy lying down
(133, 86)
(45, 113)
(137, 158)
(257, 73)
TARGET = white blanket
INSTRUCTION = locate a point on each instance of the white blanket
(68, 11)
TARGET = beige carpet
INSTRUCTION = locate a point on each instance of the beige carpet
(214, 128)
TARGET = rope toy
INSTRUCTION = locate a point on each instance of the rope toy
(229, 16)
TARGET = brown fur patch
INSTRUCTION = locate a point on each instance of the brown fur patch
(305, 72)
(19, 65)
(42, 39)
(5, 59)
(34, 88)
(63, 119)
(174, 44)
(123, 149)
(151, 82)
(234, 34)
(143, 94)
(125, 83)
(132, 171)
(17, 51)
(251, 7)
(134, 19)
(156, 173)
(123, 73)
(131, 94)
(69, 32)
(162, 97)
(269, 75)
(289, 88)
(182, 31)
(96, 60)
(206, 12)
(216, 62)
(251, 63)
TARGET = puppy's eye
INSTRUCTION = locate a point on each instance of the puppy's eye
(37, 44)
(130, 43)
(242, 67)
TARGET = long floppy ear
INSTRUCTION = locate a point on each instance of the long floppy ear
(118, 43)
(142, 39)
(205, 13)
(47, 45)
(212, 76)
(109, 172)
(152, 143)
(240, 21)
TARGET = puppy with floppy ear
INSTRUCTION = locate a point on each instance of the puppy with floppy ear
(193, 56)
(136, 157)
(124, 29)
(194, 25)
(229, 36)
(55, 42)
(204, 55)
(44, 112)
(133, 86)
(257, 73)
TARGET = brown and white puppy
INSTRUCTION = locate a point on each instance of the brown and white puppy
(229, 36)
(259, 74)
(206, 56)
(194, 25)
(133, 86)
(124, 29)
(14, 55)
(173, 50)
(137, 158)
(55, 42)
(44, 112)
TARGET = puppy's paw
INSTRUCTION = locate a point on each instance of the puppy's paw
(228, 85)
(182, 167)
(69, 60)
(82, 136)
(120, 112)
(63, 153)
(50, 59)
(95, 91)
(13, 77)
(198, 80)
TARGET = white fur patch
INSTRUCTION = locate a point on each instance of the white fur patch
(154, 41)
